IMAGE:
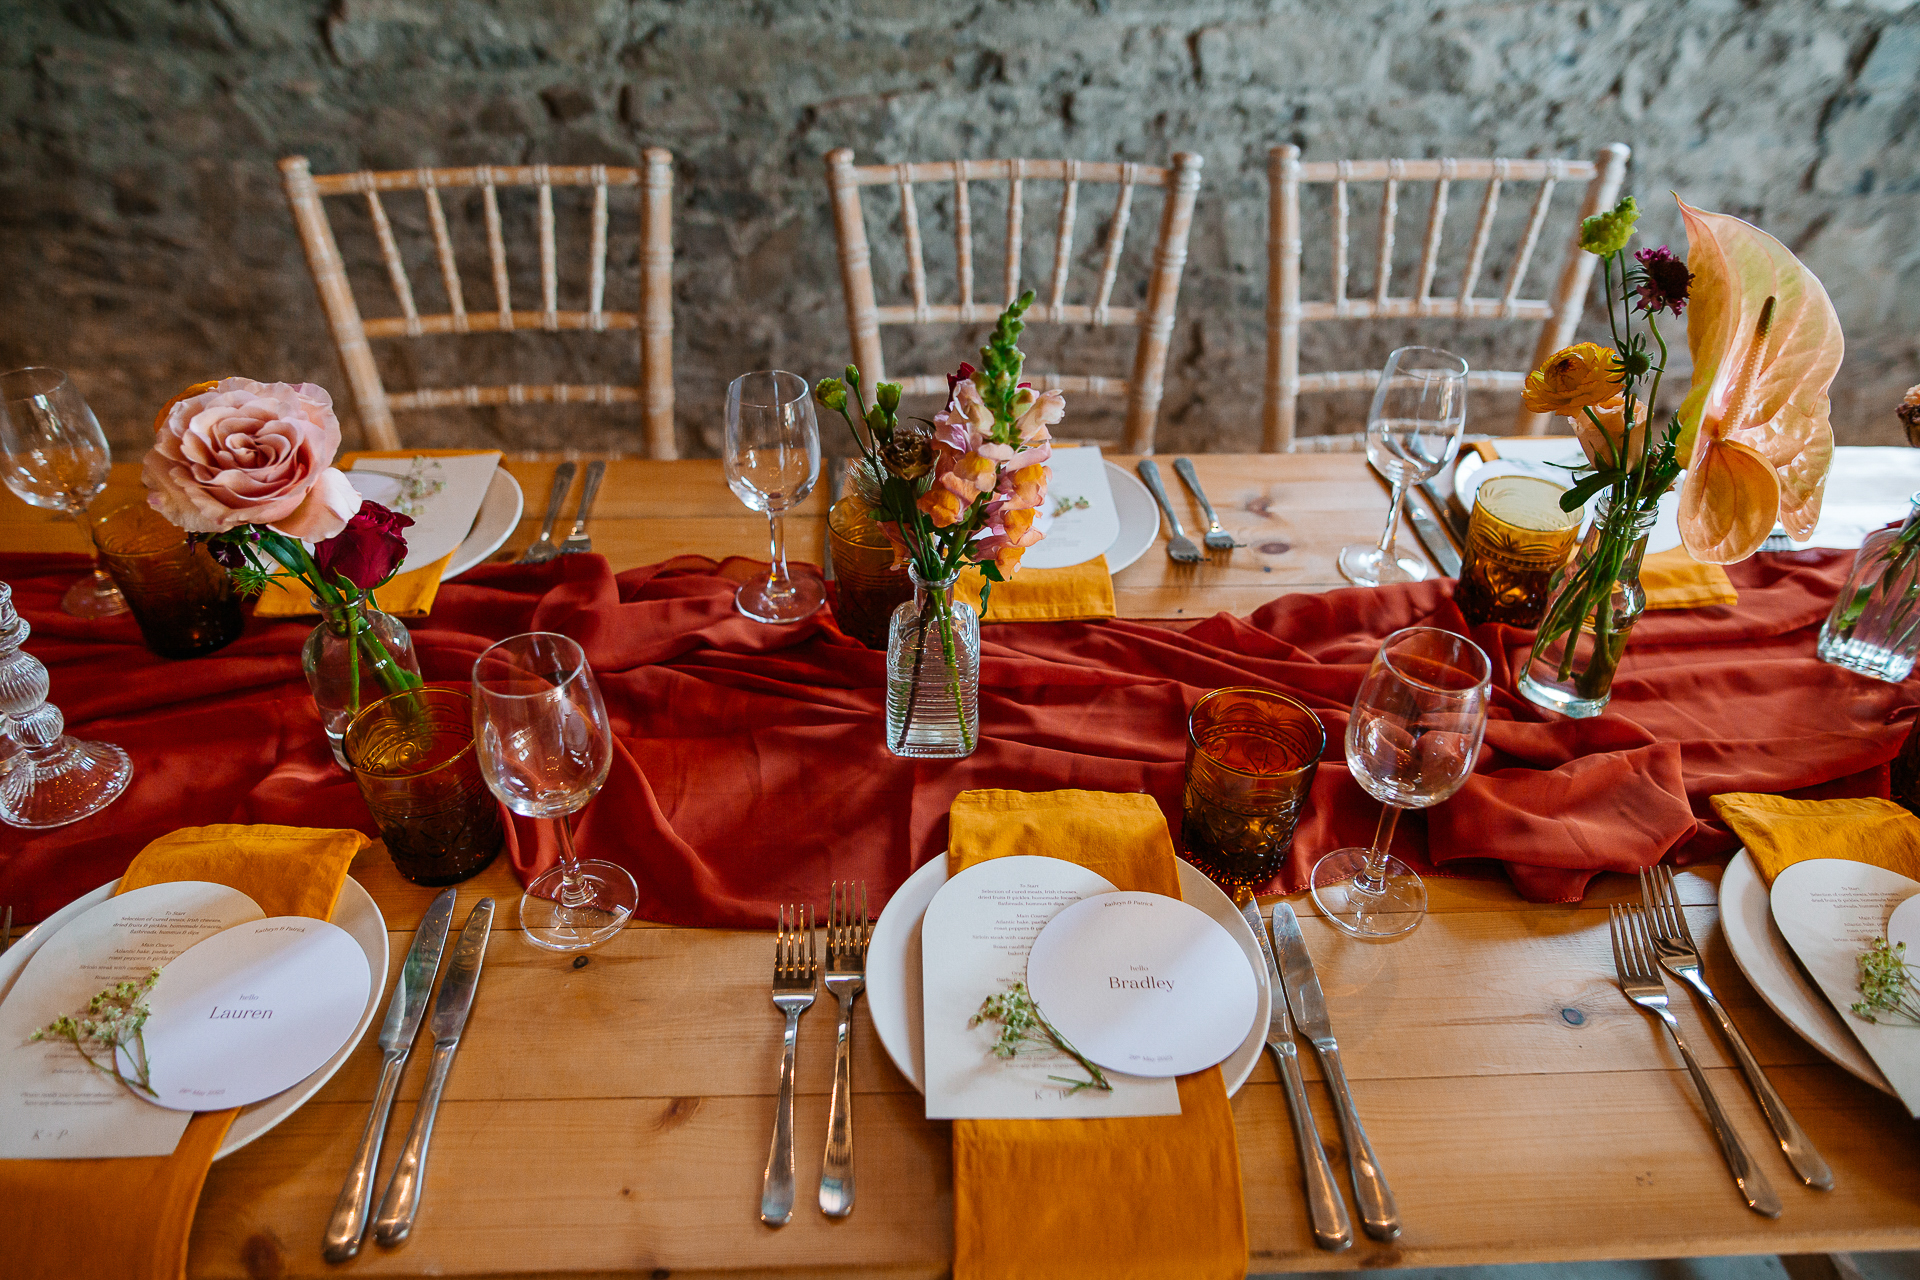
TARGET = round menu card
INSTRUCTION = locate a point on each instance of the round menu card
(252, 1010)
(1143, 984)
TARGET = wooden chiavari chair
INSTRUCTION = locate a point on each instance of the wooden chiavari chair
(1558, 315)
(654, 321)
(1142, 391)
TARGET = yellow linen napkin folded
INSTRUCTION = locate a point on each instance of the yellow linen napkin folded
(1045, 595)
(1672, 579)
(128, 1219)
(1150, 1196)
(1779, 832)
(407, 595)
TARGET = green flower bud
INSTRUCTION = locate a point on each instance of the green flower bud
(831, 393)
(1608, 232)
(1635, 363)
(877, 420)
(887, 396)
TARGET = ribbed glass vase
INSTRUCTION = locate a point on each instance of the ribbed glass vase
(933, 673)
(1874, 627)
(1592, 604)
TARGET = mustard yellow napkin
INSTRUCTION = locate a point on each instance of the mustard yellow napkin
(1672, 579)
(407, 595)
(1779, 832)
(1044, 595)
(128, 1219)
(1147, 1197)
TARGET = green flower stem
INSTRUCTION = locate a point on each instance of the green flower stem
(349, 603)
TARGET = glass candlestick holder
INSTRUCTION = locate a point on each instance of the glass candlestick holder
(47, 779)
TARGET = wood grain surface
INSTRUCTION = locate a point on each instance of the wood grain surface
(613, 1119)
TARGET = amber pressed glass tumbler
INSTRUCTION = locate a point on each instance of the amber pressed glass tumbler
(412, 754)
(1251, 757)
(184, 602)
(1517, 538)
(867, 588)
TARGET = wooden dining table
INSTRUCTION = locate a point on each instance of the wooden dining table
(612, 1116)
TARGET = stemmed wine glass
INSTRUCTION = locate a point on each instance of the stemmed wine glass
(1411, 742)
(773, 461)
(545, 747)
(1413, 430)
(56, 456)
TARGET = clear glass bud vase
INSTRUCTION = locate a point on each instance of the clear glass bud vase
(1592, 604)
(933, 673)
(356, 656)
(1874, 628)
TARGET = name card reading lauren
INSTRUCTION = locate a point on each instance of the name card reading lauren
(973, 942)
(52, 1104)
(252, 1011)
(1143, 983)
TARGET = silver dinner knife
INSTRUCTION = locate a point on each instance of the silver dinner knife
(402, 1201)
(1370, 1192)
(1433, 538)
(1331, 1227)
(404, 1011)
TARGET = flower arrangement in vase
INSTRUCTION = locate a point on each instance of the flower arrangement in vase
(247, 469)
(1751, 438)
(960, 490)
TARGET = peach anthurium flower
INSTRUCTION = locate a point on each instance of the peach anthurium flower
(1754, 430)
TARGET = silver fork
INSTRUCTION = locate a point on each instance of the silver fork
(578, 540)
(1217, 538)
(846, 979)
(1179, 546)
(1673, 941)
(1640, 981)
(795, 966)
(543, 549)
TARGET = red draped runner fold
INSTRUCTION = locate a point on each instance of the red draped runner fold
(750, 769)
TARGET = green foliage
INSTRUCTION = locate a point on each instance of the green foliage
(113, 1020)
(1024, 1030)
(1887, 985)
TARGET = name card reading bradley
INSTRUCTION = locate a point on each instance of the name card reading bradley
(1143, 983)
(253, 1010)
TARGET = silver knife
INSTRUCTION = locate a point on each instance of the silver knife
(402, 1201)
(1331, 1227)
(404, 1011)
(1377, 1212)
(1455, 523)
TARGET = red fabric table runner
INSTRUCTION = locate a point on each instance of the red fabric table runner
(750, 769)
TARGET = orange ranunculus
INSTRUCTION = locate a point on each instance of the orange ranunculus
(943, 506)
(1581, 375)
(1754, 430)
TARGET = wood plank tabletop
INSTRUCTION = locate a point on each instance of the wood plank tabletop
(613, 1119)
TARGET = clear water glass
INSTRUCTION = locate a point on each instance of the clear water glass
(54, 455)
(545, 748)
(1412, 739)
(1413, 430)
(772, 460)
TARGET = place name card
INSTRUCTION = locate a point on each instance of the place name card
(974, 941)
(1143, 983)
(52, 1104)
(254, 1010)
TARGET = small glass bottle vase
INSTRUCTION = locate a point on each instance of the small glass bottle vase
(1592, 604)
(355, 657)
(933, 673)
(1874, 628)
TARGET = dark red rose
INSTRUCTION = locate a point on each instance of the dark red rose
(1663, 281)
(955, 379)
(368, 550)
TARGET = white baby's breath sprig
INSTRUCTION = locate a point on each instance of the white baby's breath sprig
(1024, 1030)
(112, 1021)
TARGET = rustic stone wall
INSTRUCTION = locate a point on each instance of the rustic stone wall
(144, 242)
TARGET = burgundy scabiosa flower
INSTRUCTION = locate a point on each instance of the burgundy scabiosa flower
(1664, 280)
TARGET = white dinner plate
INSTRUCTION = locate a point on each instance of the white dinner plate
(1746, 918)
(1139, 522)
(355, 912)
(893, 969)
(498, 517)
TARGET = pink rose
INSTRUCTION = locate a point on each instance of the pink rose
(248, 452)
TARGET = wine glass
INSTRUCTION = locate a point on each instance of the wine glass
(773, 460)
(53, 454)
(1413, 430)
(545, 747)
(1411, 742)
